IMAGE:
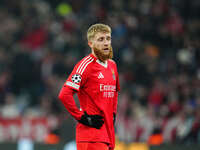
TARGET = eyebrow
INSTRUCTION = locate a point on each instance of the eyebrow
(105, 36)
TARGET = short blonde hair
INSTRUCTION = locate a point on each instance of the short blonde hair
(96, 28)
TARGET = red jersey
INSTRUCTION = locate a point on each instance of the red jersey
(97, 86)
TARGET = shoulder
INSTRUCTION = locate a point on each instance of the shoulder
(83, 64)
(112, 62)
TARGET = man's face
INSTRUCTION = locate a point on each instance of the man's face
(101, 45)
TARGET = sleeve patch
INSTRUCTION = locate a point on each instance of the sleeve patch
(72, 85)
(76, 78)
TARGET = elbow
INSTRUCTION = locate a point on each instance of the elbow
(60, 96)
(64, 93)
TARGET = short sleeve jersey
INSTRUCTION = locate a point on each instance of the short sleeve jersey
(97, 86)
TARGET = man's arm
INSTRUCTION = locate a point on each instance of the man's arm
(115, 107)
(115, 103)
(116, 95)
(66, 97)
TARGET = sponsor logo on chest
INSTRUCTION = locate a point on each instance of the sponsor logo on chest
(104, 87)
(108, 91)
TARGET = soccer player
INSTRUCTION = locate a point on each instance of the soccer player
(95, 80)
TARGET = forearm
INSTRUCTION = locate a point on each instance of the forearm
(115, 103)
(66, 97)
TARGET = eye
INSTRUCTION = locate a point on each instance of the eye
(100, 39)
(108, 38)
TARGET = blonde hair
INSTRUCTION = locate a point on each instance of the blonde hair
(96, 28)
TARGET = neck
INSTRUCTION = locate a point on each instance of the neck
(94, 53)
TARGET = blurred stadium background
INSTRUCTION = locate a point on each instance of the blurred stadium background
(156, 46)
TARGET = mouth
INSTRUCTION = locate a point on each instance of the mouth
(106, 49)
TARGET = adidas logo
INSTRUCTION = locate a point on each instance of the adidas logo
(100, 76)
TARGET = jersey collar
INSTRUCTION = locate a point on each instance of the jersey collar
(99, 62)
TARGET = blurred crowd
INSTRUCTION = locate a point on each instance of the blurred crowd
(156, 47)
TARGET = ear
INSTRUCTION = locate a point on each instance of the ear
(90, 44)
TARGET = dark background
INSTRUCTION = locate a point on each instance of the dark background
(156, 47)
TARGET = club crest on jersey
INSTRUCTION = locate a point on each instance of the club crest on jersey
(76, 78)
(113, 74)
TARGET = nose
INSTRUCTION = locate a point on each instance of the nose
(107, 42)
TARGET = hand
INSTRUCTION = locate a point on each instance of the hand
(95, 121)
(114, 118)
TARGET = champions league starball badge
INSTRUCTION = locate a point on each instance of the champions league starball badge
(76, 78)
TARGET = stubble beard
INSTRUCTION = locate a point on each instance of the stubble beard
(101, 55)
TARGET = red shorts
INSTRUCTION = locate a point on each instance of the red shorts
(92, 146)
